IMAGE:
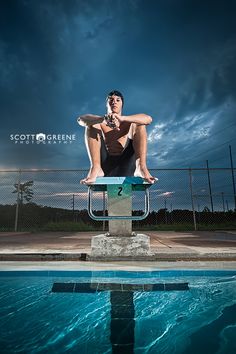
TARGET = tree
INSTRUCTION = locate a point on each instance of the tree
(206, 209)
(25, 191)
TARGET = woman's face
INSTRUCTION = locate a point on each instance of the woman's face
(114, 104)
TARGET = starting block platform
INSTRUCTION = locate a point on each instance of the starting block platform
(137, 183)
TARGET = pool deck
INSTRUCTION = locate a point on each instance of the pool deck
(214, 249)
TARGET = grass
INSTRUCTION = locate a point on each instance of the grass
(56, 226)
(80, 226)
(167, 227)
(68, 226)
(188, 227)
(223, 226)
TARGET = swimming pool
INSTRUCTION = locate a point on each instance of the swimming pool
(167, 311)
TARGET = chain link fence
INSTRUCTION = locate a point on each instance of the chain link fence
(182, 199)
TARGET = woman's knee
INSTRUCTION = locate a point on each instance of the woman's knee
(139, 129)
(93, 131)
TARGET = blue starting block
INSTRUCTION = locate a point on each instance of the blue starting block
(119, 197)
(120, 241)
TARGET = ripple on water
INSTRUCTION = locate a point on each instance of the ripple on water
(38, 321)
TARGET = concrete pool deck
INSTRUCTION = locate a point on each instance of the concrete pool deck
(76, 246)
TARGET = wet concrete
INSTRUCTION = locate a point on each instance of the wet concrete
(76, 246)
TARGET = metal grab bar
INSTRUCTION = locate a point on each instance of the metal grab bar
(119, 217)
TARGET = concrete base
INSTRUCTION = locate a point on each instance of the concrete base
(119, 247)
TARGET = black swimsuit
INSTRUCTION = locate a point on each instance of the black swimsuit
(118, 165)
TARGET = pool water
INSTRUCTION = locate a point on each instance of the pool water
(118, 312)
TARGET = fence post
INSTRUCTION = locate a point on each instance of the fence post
(73, 207)
(17, 201)
(191, 191)
(104, 211)
(232, 172)
(209, 185)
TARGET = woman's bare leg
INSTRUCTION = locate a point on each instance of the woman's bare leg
(140, 148)
(93, 145)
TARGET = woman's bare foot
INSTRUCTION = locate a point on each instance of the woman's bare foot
(94, 172)
(144, 173)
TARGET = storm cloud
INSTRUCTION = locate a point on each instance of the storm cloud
(174, 60)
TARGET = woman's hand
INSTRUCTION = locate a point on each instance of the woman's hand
(114, 120)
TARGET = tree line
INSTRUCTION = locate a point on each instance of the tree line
(32, 215)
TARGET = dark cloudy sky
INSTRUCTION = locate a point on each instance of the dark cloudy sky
(172, 59)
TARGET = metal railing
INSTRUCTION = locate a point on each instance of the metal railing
(51, 199)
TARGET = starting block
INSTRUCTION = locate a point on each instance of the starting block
(120, 241)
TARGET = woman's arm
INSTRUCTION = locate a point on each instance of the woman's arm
(140, 118)
(89, 119)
